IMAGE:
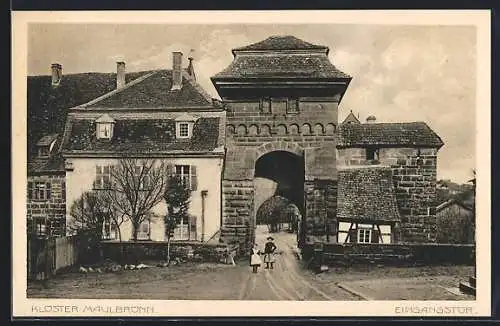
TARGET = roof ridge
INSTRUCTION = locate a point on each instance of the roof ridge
(118, 90)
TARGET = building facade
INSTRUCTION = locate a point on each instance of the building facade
(162, 116)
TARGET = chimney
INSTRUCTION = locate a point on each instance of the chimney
(371, 119)
(177, 71)
(120, 74)
(190, 68)
(56, 74)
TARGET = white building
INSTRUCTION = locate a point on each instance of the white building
(164, 115)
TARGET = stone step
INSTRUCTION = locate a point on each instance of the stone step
(467, 288)
(472, 281)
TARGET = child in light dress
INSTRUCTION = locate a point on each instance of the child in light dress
(255, 260)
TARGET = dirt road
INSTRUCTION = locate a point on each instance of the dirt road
(287, 281)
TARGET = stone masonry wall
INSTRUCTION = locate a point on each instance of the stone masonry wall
(320, 224)
(247, 128)
(414, 176)
(54, 209)
(250, 133)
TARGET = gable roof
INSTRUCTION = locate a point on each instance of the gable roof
(388, 134)
(451, 202)
(351, 118)
(366, 195)
(47, 106)
(153, 91)
(284, 42)
(142, 136)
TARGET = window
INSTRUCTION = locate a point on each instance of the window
(186, 229)
(144, 230)
(104, 130)
(40, 225)
(372, 154)
(105, 127)
(108, 229)
(265, 105)
(103, 177)
(184, 130)
(39, 191)
(292, 105)
(187, 174)
(364, 235)
(184, 125)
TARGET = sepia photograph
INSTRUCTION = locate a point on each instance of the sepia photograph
(275, 161)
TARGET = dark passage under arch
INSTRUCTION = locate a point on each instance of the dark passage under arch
(287, 171)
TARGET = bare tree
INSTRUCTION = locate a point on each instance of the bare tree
(137, 185)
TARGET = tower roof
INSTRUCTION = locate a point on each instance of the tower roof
(281, 42)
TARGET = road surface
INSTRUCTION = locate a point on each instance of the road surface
(288, 280)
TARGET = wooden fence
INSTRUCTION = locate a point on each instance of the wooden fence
(47, 256)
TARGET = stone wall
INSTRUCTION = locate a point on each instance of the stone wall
(414, 176)
(320, 223)
(54, 209)
(251, 133)
(137, 252)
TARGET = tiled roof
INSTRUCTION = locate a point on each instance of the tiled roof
(450, 202)
(388, 134)
(46, 165)
(366, 195)
(351, 118)
(282, 65)
(285, 42)
(154, 91)
(48, 106)
(142, 136)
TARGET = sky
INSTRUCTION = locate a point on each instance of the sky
(400, 73)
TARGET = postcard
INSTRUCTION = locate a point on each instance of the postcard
(251, 163)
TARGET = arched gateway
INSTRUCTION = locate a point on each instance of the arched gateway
(281, 97)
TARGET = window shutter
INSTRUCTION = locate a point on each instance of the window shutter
(170, 169)
(353, 235)
(194, 178)
(30, 190)
(192, 223)
(375, 235)
(49, 192)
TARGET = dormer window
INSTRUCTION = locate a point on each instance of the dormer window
(183, 129)
(104, 127)
(184, 126)
(46, 144)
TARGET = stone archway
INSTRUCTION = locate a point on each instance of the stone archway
(279, 174)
